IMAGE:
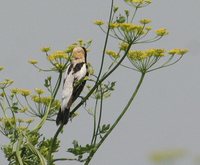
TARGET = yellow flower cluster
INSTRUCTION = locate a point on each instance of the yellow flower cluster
(136, 55)
(113, 25)
(39, 99)
(14, 90)
(178, 51)
(148, 28)
(138, 2)
(8, 121)
(161, 32)
(99, 22)
(145, 21)
(128, 27)
(33, 62)
(39, 91)
(23, 92)
(59, 54)
(45, 100)
(6, 83)
(167, 155)
(46, 49)
(123, 46)
(155, 52)
(112, 54)
(142, 54)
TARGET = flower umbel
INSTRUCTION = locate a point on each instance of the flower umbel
(144, 60)
(33, 62)
(45, 49)
(145, 21)
(138, 3)
(59, 54)
(167, 155)
(24, 92)
(6, 83)
(112, 54)
(15, 90)
(123, 46)
(39, 91)
(178, 51)
(161, 32)
(99, 22)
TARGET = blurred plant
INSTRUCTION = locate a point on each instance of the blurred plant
(24, 113)
(167, 157)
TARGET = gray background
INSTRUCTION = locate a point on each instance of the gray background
(165, 114)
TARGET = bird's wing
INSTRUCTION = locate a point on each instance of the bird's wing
(67, 72)
(79, 82)
(73, 84)
(67, 88)
(77, 90)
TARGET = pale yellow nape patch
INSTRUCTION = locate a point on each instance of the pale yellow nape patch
(78, 53)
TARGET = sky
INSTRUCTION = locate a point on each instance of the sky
(165, 113)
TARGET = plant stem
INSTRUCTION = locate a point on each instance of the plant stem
(94, 121)
(9, 105)
(106, 41)
(117, 120)
(100, 115)
(18, 152)
(49, 158)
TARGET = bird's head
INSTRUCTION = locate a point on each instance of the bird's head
(79, 53)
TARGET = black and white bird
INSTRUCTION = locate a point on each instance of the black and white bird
(73, 83)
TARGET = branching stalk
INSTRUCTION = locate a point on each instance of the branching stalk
(49, 159)
(117, 120)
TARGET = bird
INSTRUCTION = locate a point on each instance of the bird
(73, 83)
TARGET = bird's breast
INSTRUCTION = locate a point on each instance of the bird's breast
(81, 73)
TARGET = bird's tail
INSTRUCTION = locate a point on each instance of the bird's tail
(63, 116)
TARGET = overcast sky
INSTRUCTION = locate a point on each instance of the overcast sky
(165, 114)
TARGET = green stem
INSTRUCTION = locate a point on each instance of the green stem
(18, 152)
(49, 158)
(100, 115)
(165, 65)
(134, 14)
(55, 91)
(106, 41)
(8, 102)
(94, 122)
(4, 110)
(117, 120)
(65, 159)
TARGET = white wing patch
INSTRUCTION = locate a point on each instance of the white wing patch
(82, 73)
(67, 88)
